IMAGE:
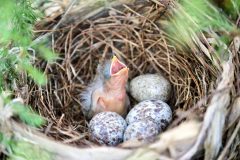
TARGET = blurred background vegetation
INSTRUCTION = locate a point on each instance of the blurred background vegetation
(17, 55)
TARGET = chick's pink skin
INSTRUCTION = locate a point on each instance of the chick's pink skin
(112, 95)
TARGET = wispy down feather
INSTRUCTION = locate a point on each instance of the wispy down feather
(103, 73)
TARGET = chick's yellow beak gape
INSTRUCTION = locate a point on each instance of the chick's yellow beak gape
(107, 93)
(117, 66)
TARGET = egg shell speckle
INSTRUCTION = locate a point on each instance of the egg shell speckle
(150, 86)
(144, 130)
(107, 128)
(154, 110)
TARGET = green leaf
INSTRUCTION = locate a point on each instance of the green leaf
(22, 150)
(16, 22)
(4, 140)
(34, 73)
(195, 17)
(23, 20)
(47, 54)
(27, 115)
(6, 7)
(229, 7)
(16, 26)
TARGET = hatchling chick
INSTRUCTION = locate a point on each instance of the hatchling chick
(107, 92)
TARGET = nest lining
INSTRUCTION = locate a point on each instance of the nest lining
(139, 40)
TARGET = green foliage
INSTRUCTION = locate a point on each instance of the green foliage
(35, 74)
(16, 25)
(47, 54)
(7, 73)
(195, 17)
(22, 150)
(17, 20)
(4, 140)
(229, 7)
(21, 111)
(27, 115)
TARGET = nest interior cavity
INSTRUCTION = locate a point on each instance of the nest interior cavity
(136, 35)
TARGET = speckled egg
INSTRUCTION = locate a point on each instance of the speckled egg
(107, 128)
(150, 86)
(154, 110)
(144, 131)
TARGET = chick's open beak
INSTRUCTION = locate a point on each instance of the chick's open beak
(118, 68)
(114, 97)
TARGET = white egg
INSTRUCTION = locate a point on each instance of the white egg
(155, 110)
(107, 128)
(144, 131)
(150, 86)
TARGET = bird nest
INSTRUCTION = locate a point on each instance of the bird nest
(204, 98)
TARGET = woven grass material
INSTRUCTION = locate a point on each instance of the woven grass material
(204, 100)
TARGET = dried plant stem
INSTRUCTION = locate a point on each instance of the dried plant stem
(215, 116)
(226, 148)
(45, 36)
(63, 152)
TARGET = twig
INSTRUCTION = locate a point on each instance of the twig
(63, 152)
(234, 134)
(218, 103)
(45, 36)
